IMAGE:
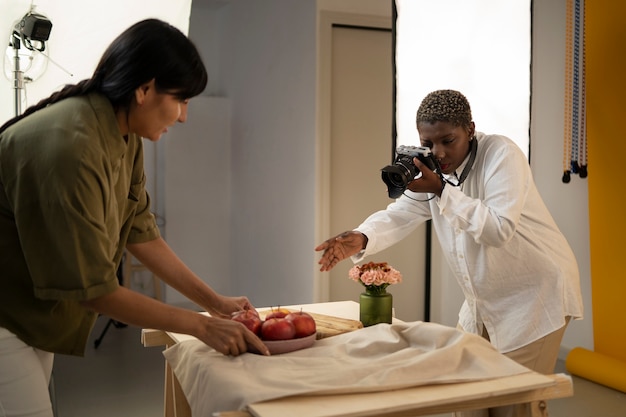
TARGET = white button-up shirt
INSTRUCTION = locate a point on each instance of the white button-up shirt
(517, 271)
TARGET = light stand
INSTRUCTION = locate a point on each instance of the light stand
(18, 75)
(32, 32)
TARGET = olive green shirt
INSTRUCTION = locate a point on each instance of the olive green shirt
(72, 195)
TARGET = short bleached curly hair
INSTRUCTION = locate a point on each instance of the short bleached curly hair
(445, 106)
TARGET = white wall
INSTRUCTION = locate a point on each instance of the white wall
(261, 56)
(197, 187)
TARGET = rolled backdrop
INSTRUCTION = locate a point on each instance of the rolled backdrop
(605, 38)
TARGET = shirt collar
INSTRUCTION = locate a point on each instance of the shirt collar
(454, 177)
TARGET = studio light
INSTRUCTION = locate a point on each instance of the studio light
(27, 41)
(34, 27)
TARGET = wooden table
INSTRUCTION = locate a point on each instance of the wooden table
(417, 401)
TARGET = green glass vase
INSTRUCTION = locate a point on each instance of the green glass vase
(375, 307)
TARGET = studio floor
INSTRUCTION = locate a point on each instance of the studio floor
(122, 378)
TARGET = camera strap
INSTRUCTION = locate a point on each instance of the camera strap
(468, 166)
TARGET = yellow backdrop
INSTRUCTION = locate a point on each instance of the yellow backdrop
(606, 113)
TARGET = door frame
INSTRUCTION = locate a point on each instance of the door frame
(326, 21)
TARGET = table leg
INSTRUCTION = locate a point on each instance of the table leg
(176, 404)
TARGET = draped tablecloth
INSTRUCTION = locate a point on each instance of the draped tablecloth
(377, 358)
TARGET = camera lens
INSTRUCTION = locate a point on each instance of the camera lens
(398, 176)
(396, 179)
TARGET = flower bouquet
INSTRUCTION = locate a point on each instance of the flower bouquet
(375, 304)
(375, 277)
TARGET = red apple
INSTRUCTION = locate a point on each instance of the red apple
(277, 329)
(303, 322)
(250, 319)
(277, 313)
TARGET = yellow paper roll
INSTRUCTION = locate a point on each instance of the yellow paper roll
(605, 84)
(597, 367)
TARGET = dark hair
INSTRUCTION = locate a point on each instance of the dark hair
(150, 49)
(445, 106)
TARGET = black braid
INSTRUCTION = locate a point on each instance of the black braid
(71, 90)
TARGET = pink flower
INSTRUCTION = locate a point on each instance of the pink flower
(374, 274)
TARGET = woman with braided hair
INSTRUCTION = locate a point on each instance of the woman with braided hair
(73, 198)
(518, 274)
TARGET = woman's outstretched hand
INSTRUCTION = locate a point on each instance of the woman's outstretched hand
(339, 248)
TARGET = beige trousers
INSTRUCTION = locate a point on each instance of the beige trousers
(540, 356)
(25, 374)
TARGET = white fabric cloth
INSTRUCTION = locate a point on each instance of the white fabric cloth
(376, 358)
(518, 273)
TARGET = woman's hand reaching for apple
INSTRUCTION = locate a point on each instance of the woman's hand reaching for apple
(228, 337)
(224, 307)
(225, 335)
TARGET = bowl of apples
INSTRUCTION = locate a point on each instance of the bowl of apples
(281, 330)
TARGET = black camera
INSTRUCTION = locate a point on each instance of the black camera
(398, 175)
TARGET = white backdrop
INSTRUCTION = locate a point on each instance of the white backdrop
(81, 30)
(479, 47)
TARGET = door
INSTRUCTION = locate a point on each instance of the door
(361, 114)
